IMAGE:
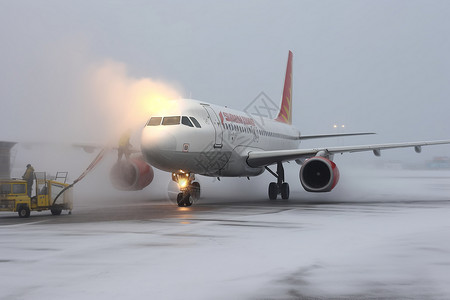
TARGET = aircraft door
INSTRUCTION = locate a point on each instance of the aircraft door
(218, 143)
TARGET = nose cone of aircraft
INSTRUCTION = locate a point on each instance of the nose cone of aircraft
(157, 145)
(158, 139)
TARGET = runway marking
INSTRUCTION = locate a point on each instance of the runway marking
(23, 224)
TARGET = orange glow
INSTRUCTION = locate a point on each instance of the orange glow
(128, 102)
(185, 209)
(182, 183)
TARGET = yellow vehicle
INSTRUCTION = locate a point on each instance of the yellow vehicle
(13, 196)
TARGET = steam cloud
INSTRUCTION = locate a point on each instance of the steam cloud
(123, 101)
(67, 96)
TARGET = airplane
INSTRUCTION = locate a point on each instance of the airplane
(200, 138)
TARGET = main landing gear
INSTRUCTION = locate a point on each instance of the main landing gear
(279, 187)
(189, 190)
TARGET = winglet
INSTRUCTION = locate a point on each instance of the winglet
(285, 114)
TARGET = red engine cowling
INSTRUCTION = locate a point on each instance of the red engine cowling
(319, 175)
(131, 175)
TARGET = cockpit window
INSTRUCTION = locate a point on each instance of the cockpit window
(174, 120)
(196, 123)
(185, 121)
(154, 121)
(171, 120)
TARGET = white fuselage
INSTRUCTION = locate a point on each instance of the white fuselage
(219, 146)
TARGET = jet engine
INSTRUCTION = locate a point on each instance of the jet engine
(131, 175)
(319, 174)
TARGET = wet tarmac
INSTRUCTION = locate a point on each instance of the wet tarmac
(253, 250)
(377, 247)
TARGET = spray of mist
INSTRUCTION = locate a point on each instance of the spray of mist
(123, 101)
(67, 96)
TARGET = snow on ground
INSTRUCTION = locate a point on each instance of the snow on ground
(378, 249)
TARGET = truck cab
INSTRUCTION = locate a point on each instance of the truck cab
(13, 197)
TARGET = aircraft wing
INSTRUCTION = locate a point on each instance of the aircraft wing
(264, 158)
(91, 147)
(321, 136)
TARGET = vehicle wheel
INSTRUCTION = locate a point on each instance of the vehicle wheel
(24, 211)
(195, 190)
(273, 191)
(285, 191)
(56, 211)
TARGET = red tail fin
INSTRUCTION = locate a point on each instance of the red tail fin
(285, 114)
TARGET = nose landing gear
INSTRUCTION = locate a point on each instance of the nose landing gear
(279, 187)
(189, 190)
(184, 199)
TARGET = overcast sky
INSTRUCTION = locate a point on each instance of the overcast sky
(378, 66)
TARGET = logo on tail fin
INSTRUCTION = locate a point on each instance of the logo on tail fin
(285, 114)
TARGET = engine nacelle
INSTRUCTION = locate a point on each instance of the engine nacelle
(319, 175)
(131, 175)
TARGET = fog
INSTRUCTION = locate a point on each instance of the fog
(86, 71)
(83, 71)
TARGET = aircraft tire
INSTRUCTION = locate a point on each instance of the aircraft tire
(195, 190)
(285, 191)
(273, 191)
(188, 200)
(184, 199)
(187, 203)
(180, 200)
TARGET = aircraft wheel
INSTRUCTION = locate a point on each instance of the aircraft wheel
(273, 191)
(180, 199)
(24, 211)
(188, 200)
(195, 190)
(184, 199)
(285, 191)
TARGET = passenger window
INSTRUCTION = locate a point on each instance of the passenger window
(154, 121)
(196, 123)
(5, 189)
(18, 188)
(171, 120)
(185, 121)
